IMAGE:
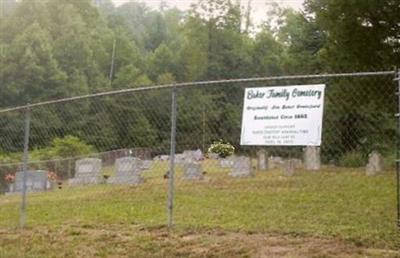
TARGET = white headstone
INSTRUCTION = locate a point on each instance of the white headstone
(312, 159)
(128, 171)
(36, 181)
(198, 155)
(242, 167)
(227, 162)
(275, 162)
(180, 158)
(375, 164)
(188, 155)
(193, 171)
(87, 171)
(262, 160)
(147, 164)
(213, 155)
(164, 157)
(298, 163)
(289, 167)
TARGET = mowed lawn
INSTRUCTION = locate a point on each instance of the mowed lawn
(334, 204)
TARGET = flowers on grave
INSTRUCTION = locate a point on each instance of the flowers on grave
(9, 178)
(223, 149)
(52, 176)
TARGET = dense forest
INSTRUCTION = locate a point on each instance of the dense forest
(52, 49)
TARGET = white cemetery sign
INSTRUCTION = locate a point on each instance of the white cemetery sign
(283, 116)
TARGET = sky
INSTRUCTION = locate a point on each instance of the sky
(259, 7)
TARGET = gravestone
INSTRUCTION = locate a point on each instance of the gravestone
(262, 160)
(36, 181)
(375, 164)
(147, 164)
(241, 167)
(128, 171)
(193, 171)
(213, 155)
(275, 162)
(198, 155)
(11, 188)
(289, 167)
(164, 157)
(87, 171)
(227, 162)
(312, 158)
(180, 158)
(141, 153)
(298, 163)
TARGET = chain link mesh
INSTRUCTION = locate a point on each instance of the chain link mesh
(107, 159)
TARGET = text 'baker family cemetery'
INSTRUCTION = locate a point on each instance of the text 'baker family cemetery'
(285, 116)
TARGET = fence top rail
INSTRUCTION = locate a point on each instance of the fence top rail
(201, 83)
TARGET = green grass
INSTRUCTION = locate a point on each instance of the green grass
(334, 203)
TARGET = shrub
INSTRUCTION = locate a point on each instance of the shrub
(352, 159)
(69, 146)
(10, 158)
(222, 149)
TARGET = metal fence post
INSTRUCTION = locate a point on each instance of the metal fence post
(397, 79)
(25, 166)
(171, 172)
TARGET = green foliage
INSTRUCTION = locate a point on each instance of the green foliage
(353, 159)
(69, 146)
(223, 149)
(389, 160)
(10, 157)
(142, 134)
(361, 35)
(59, 48)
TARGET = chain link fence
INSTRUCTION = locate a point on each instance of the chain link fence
(107, 158)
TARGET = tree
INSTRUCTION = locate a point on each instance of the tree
(32, 73)
(267, 55)
(361, 35)
(304, 41)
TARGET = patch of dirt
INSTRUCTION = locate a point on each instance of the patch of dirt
(135, 241)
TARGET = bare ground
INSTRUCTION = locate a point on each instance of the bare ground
(135, 241)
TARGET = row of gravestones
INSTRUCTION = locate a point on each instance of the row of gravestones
(312, 161)
(129, 169)
(240, 167)
(88, 171)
